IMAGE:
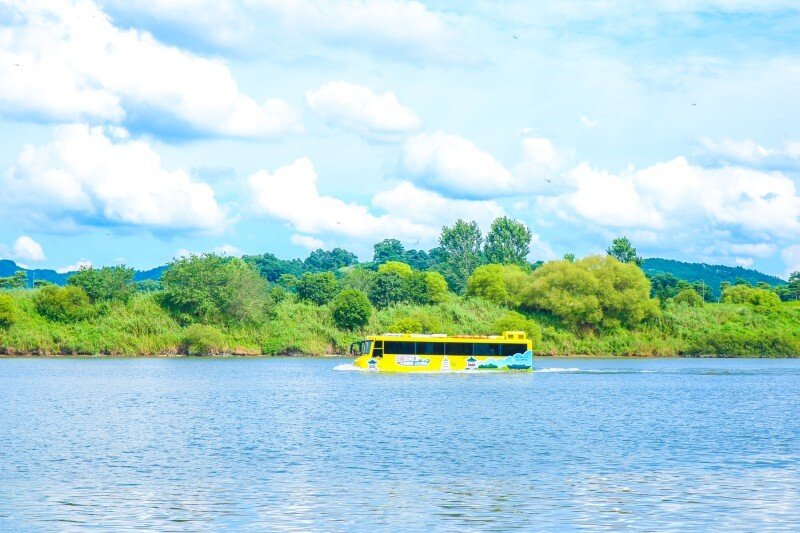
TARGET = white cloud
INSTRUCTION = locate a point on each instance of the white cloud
(405, 201)
(759, 249)
(66, 61)
(749, 153)
(791, 258)
(454, 166)
(588, 122)
(220, 23)
(414, 215)
(99, 176)
(228, 250)
(678, 194)
(382, 27)
(358, 109)
(306, 241)
(81, 263)
(403, 28)
(27, 249)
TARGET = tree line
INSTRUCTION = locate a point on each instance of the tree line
(592, 294)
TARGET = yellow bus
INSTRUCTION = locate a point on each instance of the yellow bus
(418, 352)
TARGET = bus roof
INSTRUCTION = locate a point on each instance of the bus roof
(507, 336)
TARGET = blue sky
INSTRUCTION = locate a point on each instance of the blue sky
(137, 131)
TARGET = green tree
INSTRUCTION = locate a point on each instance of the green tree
(435, 288)
(501, 284)
(593, 292)
(461, 248)
(508, 242)
(104, 284)
(486, 282)
(399, 267)
(329, 260)
(622, 250)
(147, 285)
(318, 288)
(358, 278)
(663, 285)
(8, 311)
(794, 285)
(569, 257)
(351, 309)
(63, 304)
(214, 290)
(688, 297)
(745, 294)
(388, 288)
(417, 259)
(272, 268)
(18, 280)
(388, 250)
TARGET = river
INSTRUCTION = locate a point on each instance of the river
(294, 444)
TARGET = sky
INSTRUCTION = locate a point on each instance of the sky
(136, 132)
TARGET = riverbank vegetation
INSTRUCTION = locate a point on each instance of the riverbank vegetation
(470, 284)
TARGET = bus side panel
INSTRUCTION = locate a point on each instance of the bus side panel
(443, 363)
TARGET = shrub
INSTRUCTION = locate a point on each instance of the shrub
(214, 290)
(63, 304)
(317, 288)
(501, 284)
(104, 284)
(351, 309)
(593, 292)
(761, 299)
(688, 297)
(8, 311)
(202, 339)
(417, 322)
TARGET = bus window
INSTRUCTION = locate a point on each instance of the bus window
(459, 348)
(486, 348)
(511, 349)
(398, 348)
(377, 351)
(430, 348)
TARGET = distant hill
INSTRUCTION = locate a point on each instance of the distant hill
(153, 273)
(712, 275)
(9, 267)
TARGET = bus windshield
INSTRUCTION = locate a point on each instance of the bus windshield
(360, 348)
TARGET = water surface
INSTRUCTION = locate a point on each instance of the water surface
(293, 444)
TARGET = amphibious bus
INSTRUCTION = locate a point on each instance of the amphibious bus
(418, 352)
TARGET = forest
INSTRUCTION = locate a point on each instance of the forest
(470, 284)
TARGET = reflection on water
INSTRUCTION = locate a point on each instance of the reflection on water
(290, 444)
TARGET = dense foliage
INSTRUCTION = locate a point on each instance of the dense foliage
(591, 293)
(104, 284)
(8, 311)
(63, 304)
(214, 290)
(206, 305)
(351, 309)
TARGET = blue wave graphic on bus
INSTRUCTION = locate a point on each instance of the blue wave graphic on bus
(519, 361)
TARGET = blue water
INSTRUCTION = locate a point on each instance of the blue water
(293, 444)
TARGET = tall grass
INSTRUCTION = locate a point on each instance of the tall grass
(142, 327)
